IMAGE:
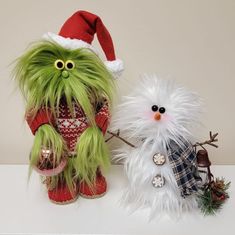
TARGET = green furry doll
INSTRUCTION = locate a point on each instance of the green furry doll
(68, 91)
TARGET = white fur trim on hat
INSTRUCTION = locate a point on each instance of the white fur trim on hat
(115, 66)
(68, 43)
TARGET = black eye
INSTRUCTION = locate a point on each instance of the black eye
(69, 64)
(59, 64)
(162, 110)
(155, 108)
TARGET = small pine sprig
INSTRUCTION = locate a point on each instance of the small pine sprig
(213, 196)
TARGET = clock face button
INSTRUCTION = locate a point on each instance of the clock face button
(158, 181)
(159, 159)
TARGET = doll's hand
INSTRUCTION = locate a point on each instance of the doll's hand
(48, 147)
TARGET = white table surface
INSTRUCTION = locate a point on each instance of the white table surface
(25, 208)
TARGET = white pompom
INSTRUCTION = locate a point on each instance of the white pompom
(115, 66)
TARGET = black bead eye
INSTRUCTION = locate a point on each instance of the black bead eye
(59, 64)
(69, 65)
(155, 108)
(162, 110)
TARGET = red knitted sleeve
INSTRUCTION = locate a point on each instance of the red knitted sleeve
(102, 117)
(43, 116)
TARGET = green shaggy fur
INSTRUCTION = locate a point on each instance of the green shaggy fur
(88, 159)
(47, 137)
(43, 86)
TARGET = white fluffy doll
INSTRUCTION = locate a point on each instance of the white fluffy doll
(159, 117)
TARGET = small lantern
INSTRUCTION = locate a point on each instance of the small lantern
(204, 162)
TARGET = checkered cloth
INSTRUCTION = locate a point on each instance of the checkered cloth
(184, 165)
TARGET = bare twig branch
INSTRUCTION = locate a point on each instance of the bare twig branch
(209, 142)
(117, 135)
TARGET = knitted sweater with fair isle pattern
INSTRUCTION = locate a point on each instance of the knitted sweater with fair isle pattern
(70, 126)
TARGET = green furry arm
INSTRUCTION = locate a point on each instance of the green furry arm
(47, 137)
(92, 152)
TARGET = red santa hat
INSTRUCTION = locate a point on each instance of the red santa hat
(78, 32)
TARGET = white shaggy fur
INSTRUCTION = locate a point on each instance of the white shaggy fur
(135, 119)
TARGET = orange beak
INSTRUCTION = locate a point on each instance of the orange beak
(157, 116)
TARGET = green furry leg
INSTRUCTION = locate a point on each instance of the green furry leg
(67, 176)
(47, 137)
(92, 152)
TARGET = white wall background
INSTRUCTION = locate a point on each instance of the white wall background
(191, 41)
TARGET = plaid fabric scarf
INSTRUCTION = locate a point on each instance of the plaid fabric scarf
(184, 164)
